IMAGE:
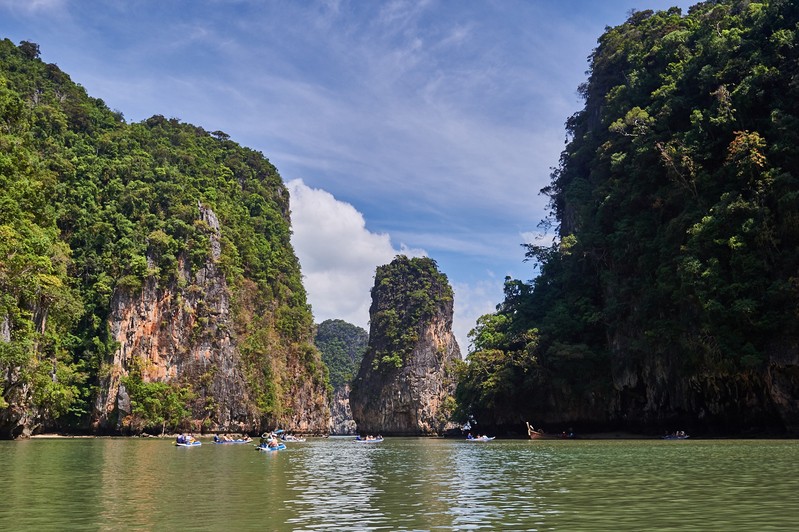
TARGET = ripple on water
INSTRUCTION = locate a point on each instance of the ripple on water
(400, 484)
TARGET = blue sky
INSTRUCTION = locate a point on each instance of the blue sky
(420, 127)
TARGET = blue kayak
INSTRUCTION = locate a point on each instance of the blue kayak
(234, 441)
(267, 448)
(191, 444)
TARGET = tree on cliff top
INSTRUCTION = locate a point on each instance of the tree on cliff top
(406, 294)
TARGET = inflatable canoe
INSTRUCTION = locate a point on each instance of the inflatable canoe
(192, 444)
(267, 448)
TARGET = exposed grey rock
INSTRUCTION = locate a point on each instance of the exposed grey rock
(413, 399)
(185, 332)
(341, 422)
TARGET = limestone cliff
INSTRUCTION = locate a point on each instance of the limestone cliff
(190, 333)
(405, 382)
(147, 277)
(654, 394)
(181, 333)
(668, 300)
(341, 422)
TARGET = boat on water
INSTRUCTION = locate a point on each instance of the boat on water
(479, 437)
(679, 435)
(535, 434)
(291, 438)
(267, 448)
(238, 440)
(541, 435)
(194, 443)
(368, 439)
(187, 441)
(269, 441)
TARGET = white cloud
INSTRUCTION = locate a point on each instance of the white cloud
(337, 253)
(30, 6)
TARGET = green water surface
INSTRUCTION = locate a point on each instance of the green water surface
(400, 484)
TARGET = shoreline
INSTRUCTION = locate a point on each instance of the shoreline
(593, 436)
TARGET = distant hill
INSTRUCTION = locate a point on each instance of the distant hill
(342, 346)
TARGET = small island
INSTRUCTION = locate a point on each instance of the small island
(406, 380)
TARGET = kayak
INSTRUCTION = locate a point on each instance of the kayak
(192, 444)
(482, 438)
(248, 440)
(267, 448)
(374, 440)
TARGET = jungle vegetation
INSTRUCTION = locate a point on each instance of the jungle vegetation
(342, 346)
(407, 293)
(90, 205)
(676, 210)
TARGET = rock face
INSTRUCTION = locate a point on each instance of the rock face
(730, 402)
(669, 300)
(405, 382)
(341, 422)
(654, 392)
(189, 333)
(154, 328)
(147, 277)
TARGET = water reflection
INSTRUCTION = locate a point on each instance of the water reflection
(400, 484)
(334, 486)
(495, 487)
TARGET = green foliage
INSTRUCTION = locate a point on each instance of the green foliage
(677, 209)
(38, 305)
(156, 404)
(91, 207)
(502, 362)
(342, 346)
(294, 322)
(407, 293)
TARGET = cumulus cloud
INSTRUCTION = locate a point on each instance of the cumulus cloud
(337, 253)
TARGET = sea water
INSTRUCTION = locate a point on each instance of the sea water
(400, 484)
